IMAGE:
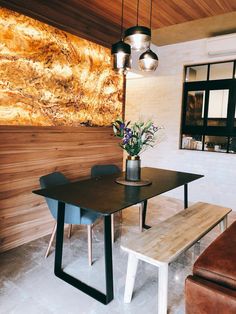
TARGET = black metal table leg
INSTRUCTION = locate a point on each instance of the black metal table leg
(108, 258)
(144, 212)
(186, 195)
(94, 293)
(59, 237)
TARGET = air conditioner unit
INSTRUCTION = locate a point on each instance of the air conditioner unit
(221, 45)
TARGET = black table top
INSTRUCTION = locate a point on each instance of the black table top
(105, 196)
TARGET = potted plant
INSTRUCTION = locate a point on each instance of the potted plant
(135, 139)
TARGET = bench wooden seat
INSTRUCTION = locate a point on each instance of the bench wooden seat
(163, 243)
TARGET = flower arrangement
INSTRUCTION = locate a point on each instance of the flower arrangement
(136, 137)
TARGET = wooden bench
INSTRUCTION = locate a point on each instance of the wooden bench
(163, 243)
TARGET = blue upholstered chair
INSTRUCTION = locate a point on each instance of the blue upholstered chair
(73, 214)
(102, 170)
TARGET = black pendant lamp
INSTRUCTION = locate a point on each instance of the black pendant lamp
(138, 37)
(121, 52)
(148, 61)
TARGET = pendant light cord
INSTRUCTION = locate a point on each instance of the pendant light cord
(137, 10)
(151, 15)
(150, 24)
(122, 20)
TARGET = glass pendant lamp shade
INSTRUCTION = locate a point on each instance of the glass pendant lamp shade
(121, 59)
(120, 51)
(148, 61)
(138, 37)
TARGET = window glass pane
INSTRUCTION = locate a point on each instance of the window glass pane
(192, 141)
(216, 143)
(196, 73)
(195, 108)
(217, 107)
(232, 145)
(220, 71)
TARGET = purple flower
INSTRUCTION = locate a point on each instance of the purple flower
(127, 137)
(122, 126)
(125, 140)
(128, 132)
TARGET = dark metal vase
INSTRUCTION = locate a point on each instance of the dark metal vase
(133, 168)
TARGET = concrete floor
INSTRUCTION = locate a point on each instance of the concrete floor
(28, 285)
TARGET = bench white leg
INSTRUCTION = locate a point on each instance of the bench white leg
(130, 277)
(112, 228)
(223, 224)
(162, 288)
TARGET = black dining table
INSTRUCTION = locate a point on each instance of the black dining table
(104, 196)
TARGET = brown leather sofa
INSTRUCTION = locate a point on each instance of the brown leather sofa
(212, 288)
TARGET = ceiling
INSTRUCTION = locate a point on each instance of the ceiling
(99, 20)
(202, 28)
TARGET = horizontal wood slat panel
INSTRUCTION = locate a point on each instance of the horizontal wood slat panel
(26, 153)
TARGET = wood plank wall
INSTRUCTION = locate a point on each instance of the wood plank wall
(26, 153)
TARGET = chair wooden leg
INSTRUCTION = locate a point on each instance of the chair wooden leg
(121, 216)
(69, 231)
(51, 239)
(89, 229)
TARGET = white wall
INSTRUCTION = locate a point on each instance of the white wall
(160, 97)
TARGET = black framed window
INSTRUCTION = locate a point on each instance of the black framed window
(208, 113)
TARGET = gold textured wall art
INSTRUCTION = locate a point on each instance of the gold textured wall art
(51, 78)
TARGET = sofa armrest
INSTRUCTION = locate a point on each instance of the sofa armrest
(205, 297)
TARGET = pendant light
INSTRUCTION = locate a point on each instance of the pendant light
(138, 36)
(148, 61)
(121, 51)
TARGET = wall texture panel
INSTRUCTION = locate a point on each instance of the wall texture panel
(26, 153)
(52, 78)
